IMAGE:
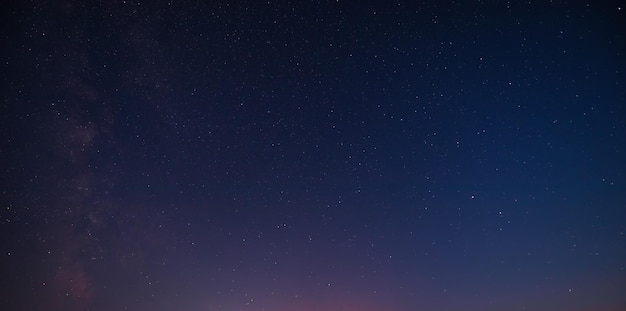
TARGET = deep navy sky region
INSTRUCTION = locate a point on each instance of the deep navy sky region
(313, 155)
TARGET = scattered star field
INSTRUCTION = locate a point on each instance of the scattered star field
(313, 155)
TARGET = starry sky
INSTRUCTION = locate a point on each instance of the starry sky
(313, 155)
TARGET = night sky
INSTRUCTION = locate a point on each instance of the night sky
(313, 155)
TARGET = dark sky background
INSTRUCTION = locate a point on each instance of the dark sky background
(313, 156)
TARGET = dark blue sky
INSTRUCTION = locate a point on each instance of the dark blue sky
(326, 155)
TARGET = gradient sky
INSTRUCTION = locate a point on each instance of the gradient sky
(313, 155)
